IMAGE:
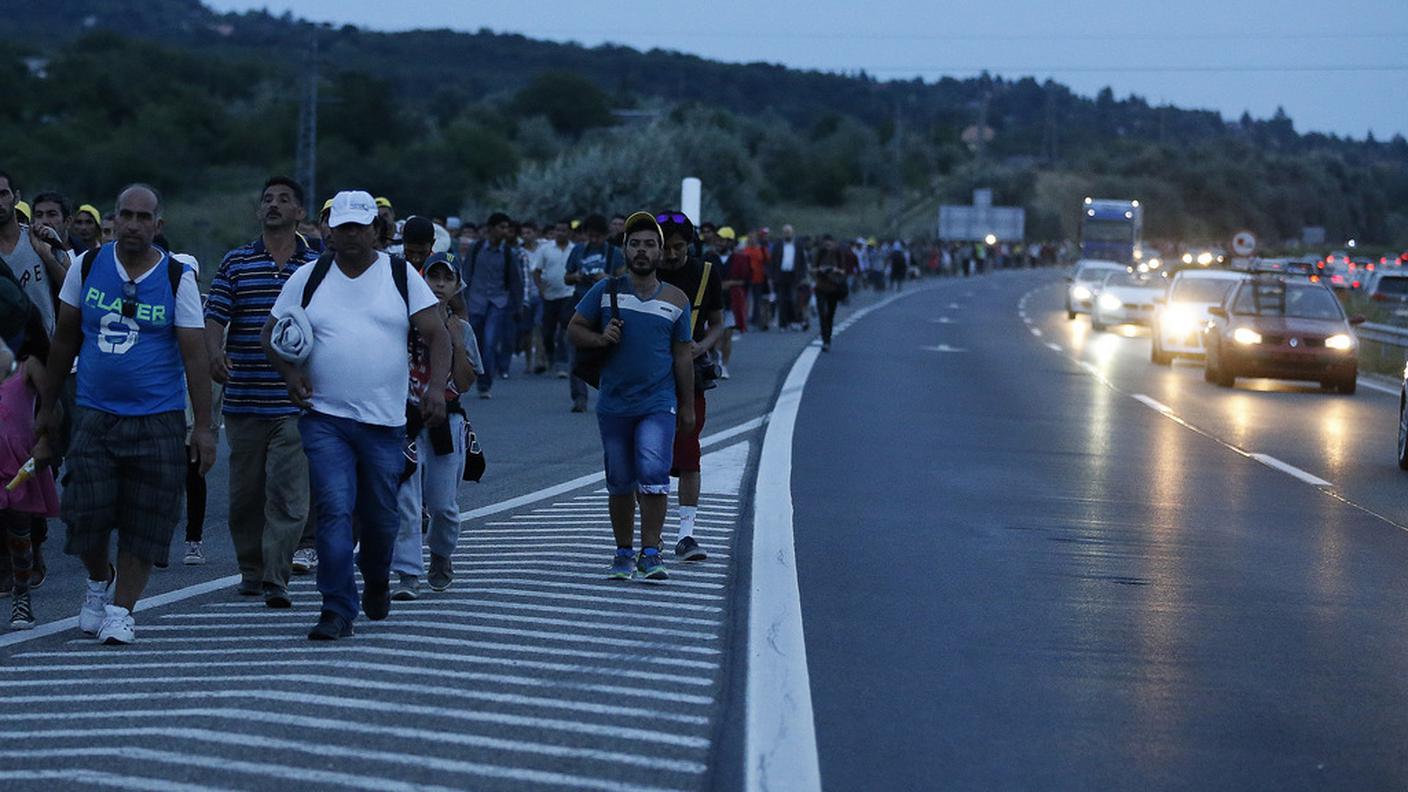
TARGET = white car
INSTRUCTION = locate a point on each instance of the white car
(1125, 298)
(1180, 317)
(1085, 281)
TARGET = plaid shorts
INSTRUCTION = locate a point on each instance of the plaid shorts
(128, 473)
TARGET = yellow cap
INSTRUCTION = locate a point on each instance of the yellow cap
(643, 221)
(727, 232)
(743, 241)
(92, 211)
(22, 209)
(576, 224)
(327, 207)
(384, 202)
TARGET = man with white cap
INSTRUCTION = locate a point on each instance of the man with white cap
(352, 382)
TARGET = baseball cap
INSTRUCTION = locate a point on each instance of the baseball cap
(382, 200)
(352, 206)
(418, 230)
(22, 209)
(327, 207)
(728, 233)
(447, 260)
(91, 211)
(644, 221)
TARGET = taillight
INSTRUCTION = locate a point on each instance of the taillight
(1369, 267)
(1354, 285)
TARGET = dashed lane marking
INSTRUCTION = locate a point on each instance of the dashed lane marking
(1291, 470)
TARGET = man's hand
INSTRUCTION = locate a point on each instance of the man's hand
(43, 453)
(684, 422)
(220, 366)
(696, 349)
(432, 407)
(203, 448)
(300, 390)
(49, 236)
(612, 333)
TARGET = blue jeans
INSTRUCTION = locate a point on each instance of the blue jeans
(495, 330)
(638, 451)
(353, 468)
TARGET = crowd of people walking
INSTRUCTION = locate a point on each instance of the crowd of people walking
(339, 352)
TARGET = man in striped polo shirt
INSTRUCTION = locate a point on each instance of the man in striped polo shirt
(267, 463)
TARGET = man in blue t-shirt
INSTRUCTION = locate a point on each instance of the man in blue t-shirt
(587, 265)
(647, 392)
(137, 317)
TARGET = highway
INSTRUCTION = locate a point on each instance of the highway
(1013, 554)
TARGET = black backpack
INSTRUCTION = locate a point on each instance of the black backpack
(324, 263)
(15, 305)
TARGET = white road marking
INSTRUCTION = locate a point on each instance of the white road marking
(942, 348)
(1149, 401)
(260, 620)
(780, 731)
(104, 779)
(1036, 332)
(1054, 347)
(1380, 387)
(1289, 469)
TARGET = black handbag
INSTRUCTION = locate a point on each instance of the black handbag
(591, 360)
(473, 454)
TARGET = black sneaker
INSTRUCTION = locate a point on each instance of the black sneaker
(331, 627)
(276, 598)
(21, 612)
(250, 588)
(689, 550)
(376, 599)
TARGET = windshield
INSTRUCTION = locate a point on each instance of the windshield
(1132, 280)
(1201, 290)
(1091, 274)
(1398, 287)
(1108, 231)
(1302, 302)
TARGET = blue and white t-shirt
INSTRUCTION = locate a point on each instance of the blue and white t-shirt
(639, 376)
(131, 366)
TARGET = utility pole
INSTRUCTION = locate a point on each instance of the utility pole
(307, 154)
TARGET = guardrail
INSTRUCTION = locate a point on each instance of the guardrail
(1383, 349)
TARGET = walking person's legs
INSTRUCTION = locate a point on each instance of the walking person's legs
(248, 439)
(484, 382)
(16, 533)
(379, 464)
(826, 308)
(332, 465)
(285, 507)
(685, 466)
(441, 495)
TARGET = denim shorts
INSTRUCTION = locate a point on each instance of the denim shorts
(638, 451)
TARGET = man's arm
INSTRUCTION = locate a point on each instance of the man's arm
(581, 333)
(714, 324)
(461, 369)
(684, 384)
(427, 322)
(63, 348)
(191, 340)
(299, 389)
(51, 251)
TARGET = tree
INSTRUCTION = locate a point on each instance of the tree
(572, 103)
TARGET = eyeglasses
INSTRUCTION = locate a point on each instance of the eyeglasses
(672, 217)
(129, 299)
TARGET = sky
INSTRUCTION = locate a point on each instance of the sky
(1334, 65)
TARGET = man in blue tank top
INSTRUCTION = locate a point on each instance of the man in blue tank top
(133, 318)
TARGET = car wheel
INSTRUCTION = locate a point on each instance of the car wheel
(1209, 366)
(1348, 385)
(1225, 378)
(1095, 323)
(1070, 314)
(1402, 435)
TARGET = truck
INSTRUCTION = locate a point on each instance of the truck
(1112, 229)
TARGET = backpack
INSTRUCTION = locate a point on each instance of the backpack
(174, 269)
(15, 306)
(324, 263)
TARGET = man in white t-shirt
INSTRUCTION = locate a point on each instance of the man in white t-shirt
(353, 387)
(549, 263)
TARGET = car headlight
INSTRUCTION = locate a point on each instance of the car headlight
(1339, 341)
(1180, 321)
(1109, 302)
(1080, 293)
(1246, 335)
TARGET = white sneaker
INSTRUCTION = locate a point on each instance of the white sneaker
(96, 596)
(304, 561)
(118, 627)
(723, 371)
(194, 556)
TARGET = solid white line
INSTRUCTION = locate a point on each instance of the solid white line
(302, 775)
(1054, 347)
(257, 619)
(433, 603)
(100, 778)
(404, 732)
(362, 683)
(1380, 387)
(1036, 332)
(1151, 402)
(780, 734)
(626, 589)
(344, 664)
(395, 654)
(1273, 462)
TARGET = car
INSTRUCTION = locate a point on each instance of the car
(1082, 283)
(1125, 298)
(1180, 317)
(1282, 328)
(1389, 286)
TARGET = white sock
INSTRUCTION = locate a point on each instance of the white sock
(686, 521)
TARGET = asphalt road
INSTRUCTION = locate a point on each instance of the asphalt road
(532, 671)
(1015, 574)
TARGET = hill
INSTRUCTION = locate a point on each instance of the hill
(171, 91)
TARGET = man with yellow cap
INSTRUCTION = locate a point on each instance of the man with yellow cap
(647, 391)
(86, 230)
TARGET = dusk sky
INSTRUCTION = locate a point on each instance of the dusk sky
(1334, 66)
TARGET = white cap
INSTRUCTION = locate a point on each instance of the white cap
(352, 206)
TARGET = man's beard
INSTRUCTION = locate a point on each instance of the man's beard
(644, 266)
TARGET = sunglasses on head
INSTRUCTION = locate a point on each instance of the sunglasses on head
(671, 217)
(129, 299)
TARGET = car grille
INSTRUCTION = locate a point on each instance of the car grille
(1307, 342)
